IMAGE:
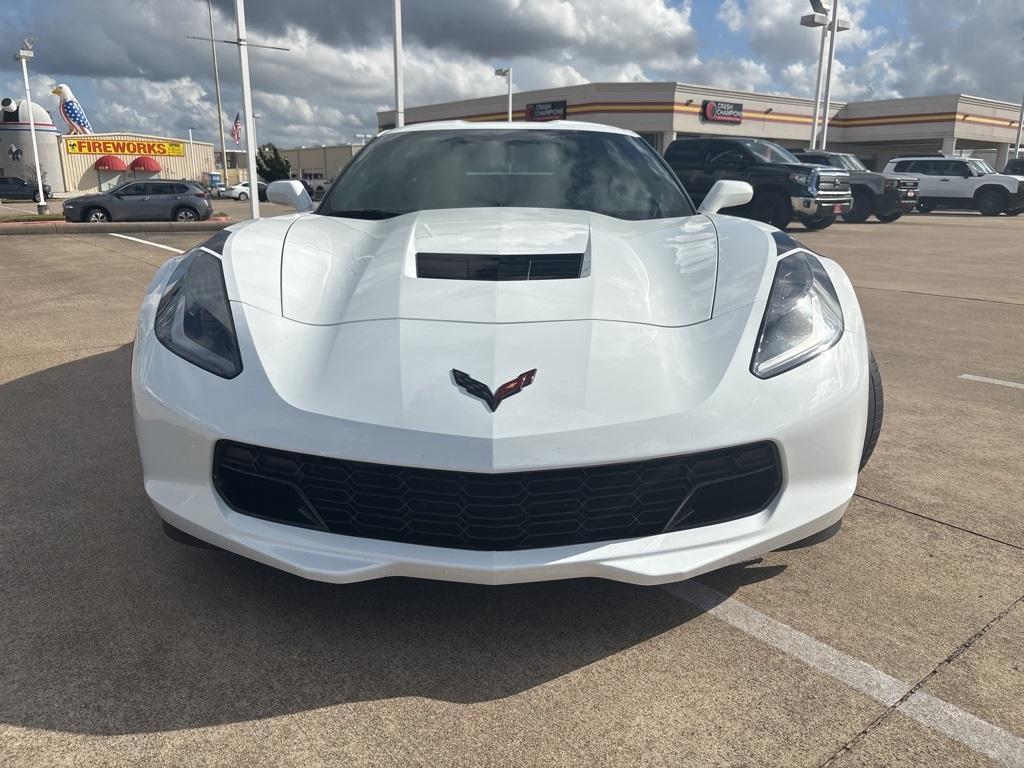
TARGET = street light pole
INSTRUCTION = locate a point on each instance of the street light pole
(399, 94)
(1020, 128)
(193, 166)
(834, 25)
(817, 20)
(23, 56)
(250, 123)
(506, 72)
(220, 110)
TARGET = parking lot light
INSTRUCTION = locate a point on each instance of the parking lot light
(825, 16)
(506, 72)
(23, 56)
(1020, 128)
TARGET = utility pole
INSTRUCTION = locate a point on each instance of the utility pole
(220, 111)
(399, 94)
(23, 56)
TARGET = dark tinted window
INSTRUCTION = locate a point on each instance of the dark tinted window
(133, 190)
(183, 189)
(608, 173)
(903, 166)
(687, 153)
(815, 159)
(726, 154)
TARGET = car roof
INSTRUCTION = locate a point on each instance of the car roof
(929, 157)
(546, 125)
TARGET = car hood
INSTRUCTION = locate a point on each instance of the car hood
(334, 270)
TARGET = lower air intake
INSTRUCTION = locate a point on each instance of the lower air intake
(495, 512)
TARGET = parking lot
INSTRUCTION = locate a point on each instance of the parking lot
(899, 641)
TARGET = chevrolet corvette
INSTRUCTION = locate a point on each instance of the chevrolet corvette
(499, 353)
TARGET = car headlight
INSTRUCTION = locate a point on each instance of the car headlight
(803, 318)
(803, 179)
(193, 319)
(892, 183)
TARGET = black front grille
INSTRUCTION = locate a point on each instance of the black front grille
(491, 512)
(513, 266)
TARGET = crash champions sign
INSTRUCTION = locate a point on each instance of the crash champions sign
(124, 147)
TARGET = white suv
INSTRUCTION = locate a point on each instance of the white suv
(961, 182)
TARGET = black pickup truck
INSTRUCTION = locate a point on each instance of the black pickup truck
(886, 195)
(784, 188)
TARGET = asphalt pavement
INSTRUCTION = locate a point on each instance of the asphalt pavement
(899, 641)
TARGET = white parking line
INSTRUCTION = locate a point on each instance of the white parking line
(145, 242)
(986, 380)
(971, 731)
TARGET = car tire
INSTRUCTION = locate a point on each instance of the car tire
(186, 214)
(990, 202)
(771, 208)
(1014, 213)
(863, 206)
(35, 196)
(822, 221)
(242, 196)
(888, 218)
(876, 409)
(96, 216)
(178, 535)
(925, 207)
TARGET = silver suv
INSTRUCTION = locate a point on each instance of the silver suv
(155, 200)
(961, 182)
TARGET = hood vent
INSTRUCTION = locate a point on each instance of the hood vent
(517, 266)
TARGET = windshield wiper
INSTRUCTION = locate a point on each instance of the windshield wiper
(366, 213)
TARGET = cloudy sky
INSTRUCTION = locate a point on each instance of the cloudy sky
(129, 63)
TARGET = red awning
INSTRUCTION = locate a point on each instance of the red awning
(110, 163)
(145, 163)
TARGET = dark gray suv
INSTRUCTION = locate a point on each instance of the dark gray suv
(155, 200)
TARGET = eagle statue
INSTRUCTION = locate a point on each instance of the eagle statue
(71, 110)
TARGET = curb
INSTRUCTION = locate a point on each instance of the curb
(78, 228)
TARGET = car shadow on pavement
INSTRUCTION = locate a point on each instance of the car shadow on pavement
(111, 628)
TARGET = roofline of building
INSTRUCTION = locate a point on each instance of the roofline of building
(680, 87)
(108, 134)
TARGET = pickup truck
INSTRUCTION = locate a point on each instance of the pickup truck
(885, 195)
(784, 188)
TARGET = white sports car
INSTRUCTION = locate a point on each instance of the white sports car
(500, 353)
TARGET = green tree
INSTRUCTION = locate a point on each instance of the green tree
(270, 165)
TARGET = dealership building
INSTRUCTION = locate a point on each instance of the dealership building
(662, 112)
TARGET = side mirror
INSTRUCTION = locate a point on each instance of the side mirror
(290, 193)
(727, 194)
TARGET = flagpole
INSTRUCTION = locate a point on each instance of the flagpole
(220, 109)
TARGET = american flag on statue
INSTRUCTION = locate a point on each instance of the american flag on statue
(236, 128)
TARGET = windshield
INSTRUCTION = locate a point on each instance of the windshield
(980, 167)
(608, 173)
(851, 163)
(769, 152)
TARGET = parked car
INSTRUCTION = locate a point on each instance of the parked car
(15, 188)
(153, 200)
(886, 196)
(497, 354)
(961, 182)
(242, 191)
(784, 188)
(1015, 167)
